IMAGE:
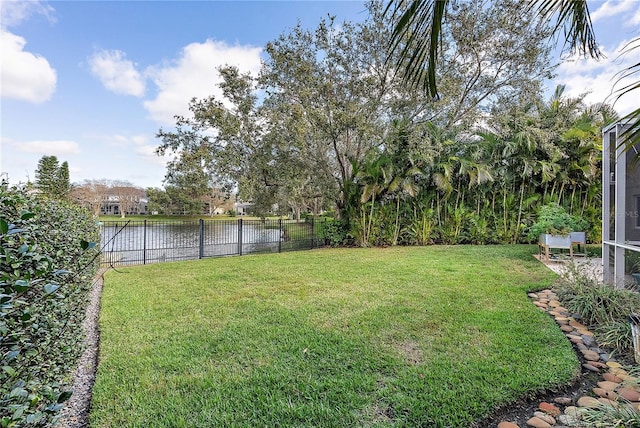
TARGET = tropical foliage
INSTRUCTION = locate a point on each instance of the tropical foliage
(45, 273)
(335, 128)
(420, 28)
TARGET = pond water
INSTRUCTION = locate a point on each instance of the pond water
(150, 242)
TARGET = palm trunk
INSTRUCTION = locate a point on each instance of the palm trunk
(373, 202)
(504, 212)
(396, 230)
(514, 237)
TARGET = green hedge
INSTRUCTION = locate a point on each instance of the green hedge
(46, 267)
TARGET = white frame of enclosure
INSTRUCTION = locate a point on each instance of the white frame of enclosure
(615, 274)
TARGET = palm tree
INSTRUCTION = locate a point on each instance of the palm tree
(417, 36)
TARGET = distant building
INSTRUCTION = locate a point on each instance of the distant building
(242, 208)
(111, 205)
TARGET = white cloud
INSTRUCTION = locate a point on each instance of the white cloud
(138, 146)
(24, 75)
(613, 8)
(117, 73)
(14, 12)
(147, 153)
(48, 147)
(194, 74)
(635, 19)
(601, 79)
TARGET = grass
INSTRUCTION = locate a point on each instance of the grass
(430, 336)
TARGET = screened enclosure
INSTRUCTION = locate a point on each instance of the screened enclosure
(620, 208)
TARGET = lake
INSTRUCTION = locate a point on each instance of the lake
(141, 242)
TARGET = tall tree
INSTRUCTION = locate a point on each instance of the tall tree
(63, 182)
(52, 179)
(158, 201)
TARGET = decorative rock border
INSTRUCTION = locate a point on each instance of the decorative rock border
(613, 390)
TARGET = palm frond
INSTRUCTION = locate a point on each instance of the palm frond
(573, 18)
(417, 37)
(630, 137)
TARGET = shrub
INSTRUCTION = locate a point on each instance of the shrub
(45, 275)
(334, 233)
(616, 335)
(601, 306)
(552, 218)
(621, 415)
(603, 303)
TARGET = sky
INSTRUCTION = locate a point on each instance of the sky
(92, 82)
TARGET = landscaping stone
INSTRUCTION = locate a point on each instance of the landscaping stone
(590, 355)
(609, 386)
(621, 373)
(629, 394)
(588, 340)
(577, 325)
(607, 402)
(571, 411)
(589, 402)
(609, 391)
(600, 392)
(545, 417)
(549, 409)
(591, 368)
(507, 425)
(568, 420)
(538, 423)
(611, 378)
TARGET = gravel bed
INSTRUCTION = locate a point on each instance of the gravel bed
(75, 413)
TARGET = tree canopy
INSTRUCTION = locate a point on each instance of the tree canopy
(328, 125)
(418, 35)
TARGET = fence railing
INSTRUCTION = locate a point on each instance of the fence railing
(142, 242)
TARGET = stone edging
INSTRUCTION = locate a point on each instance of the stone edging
(610, 391)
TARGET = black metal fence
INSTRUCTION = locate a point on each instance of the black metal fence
(141, 242)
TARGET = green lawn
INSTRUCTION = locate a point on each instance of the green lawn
(431, 336)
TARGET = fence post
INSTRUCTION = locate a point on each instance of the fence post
(313, 232)
(201, 238)
(279, 235)
(144, 243)
(239, 237)
(324, 233)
